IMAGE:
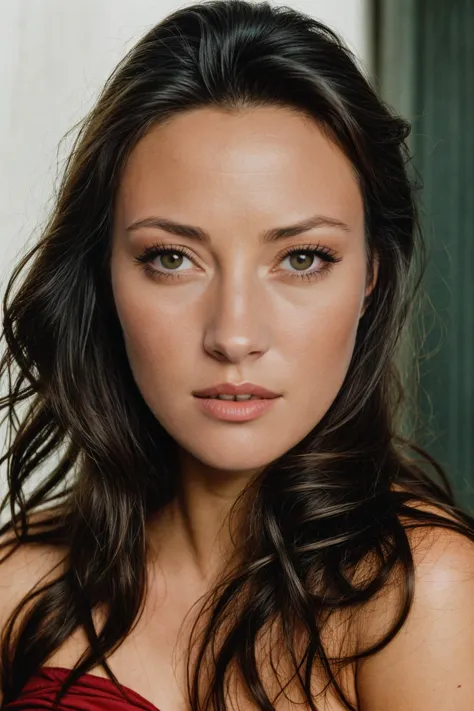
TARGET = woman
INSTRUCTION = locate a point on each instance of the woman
(235, 222)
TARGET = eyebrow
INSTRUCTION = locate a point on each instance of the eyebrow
(272, 235)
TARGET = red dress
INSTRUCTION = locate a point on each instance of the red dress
(88, 693)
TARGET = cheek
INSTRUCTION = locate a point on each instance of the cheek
(320, 347)
(154, 342)
(326, 325)
(333, 336)
(159, 341)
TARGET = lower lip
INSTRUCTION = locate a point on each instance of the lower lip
(234, 410)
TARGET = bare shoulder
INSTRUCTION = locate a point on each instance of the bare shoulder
(428, 663)
(25, 566)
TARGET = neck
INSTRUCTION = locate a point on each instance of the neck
(194, 535)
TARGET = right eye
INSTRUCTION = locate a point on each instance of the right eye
(171, 257)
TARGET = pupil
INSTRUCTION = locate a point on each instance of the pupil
(174, 257)
(302, 259)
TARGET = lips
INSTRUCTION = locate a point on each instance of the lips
(234, 389)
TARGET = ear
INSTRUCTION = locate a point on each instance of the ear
(371, 281)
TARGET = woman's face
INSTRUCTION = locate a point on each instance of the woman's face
(235, 306)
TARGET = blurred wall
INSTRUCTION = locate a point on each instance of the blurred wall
(424, 66)
(54, 58)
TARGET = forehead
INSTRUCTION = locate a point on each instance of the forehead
(262, 161)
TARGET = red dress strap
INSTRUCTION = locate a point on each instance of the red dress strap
(88, 693)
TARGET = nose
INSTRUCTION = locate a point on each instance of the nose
(239, 319)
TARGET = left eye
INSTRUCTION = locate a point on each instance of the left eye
(302, 259)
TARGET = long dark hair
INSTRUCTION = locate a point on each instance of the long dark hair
(315, 513)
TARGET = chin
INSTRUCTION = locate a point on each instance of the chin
(232, 459)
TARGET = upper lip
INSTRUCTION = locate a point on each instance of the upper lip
(232, 389)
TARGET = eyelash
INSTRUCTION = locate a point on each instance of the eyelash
(151, 252)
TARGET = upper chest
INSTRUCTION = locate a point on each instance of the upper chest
(152, 660)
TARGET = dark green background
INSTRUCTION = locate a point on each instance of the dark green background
(424, 67)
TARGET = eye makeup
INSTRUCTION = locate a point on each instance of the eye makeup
(326, 256)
